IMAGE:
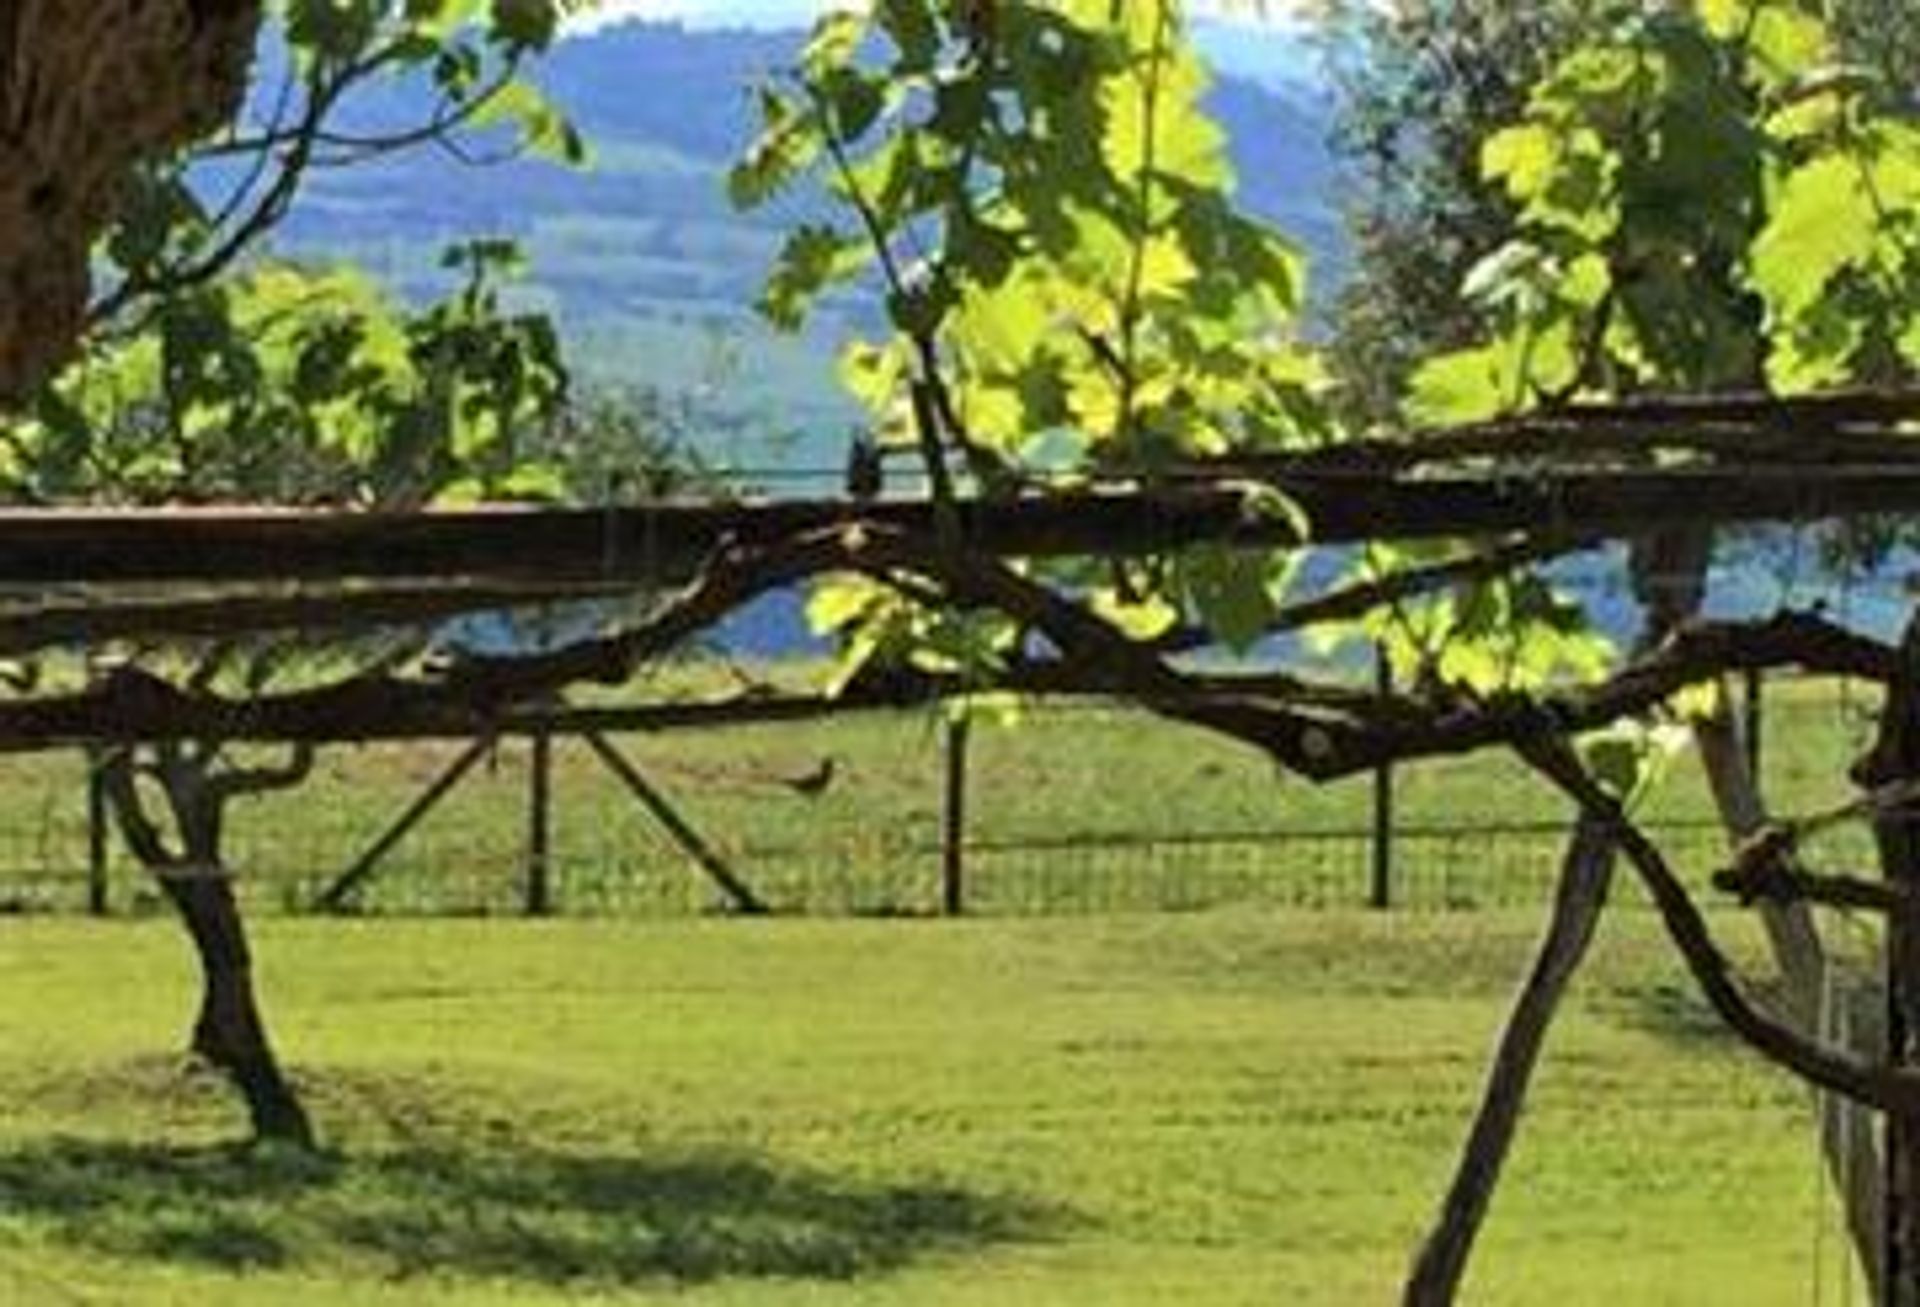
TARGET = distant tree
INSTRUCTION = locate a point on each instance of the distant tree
(1883, 35)
(1419, 84)
(621, 446)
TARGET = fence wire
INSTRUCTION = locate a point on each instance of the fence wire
(1435, 870)
(1076, 810)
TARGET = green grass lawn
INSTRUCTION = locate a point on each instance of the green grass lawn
(1207, 1108)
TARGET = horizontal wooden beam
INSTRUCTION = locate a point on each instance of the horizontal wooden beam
(137, 707)
(665, 543)
(89, 619)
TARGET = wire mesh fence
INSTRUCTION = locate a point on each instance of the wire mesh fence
(1436, 869)
(1076, 811)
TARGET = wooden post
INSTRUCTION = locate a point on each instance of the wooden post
(539, 822)
(1896, 757)
(1752, 705)
(953, 833)
(1381, 895)
(96, 833)
(1586, 869)
(1849, 1140)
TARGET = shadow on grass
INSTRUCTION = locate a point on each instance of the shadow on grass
(1671, 1010)
(1675, 1010)
(514, 1213)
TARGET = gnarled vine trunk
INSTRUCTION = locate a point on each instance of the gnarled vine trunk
(89, 89)
(1669, 576)
(1848, 1142)
(1895, 758)
(228, 1030)
(1586, 871)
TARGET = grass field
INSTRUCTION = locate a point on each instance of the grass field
(1065, 1101)
(1208, 1108)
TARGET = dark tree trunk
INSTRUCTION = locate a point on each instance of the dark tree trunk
(229, 1032)
(93, 89)
(1669, 577)
(1896, 757)
(1849, 1138)
(1585, 874)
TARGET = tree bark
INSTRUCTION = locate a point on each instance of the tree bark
(1585, 874)
(228, 1030)
(1896, 757)
(1848, 1141)
(88, 90)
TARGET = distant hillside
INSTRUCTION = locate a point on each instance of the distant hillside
(650, 271)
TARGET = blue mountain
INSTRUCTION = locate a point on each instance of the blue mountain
(650, 272)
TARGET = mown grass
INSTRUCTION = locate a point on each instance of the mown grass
(1211, 1108)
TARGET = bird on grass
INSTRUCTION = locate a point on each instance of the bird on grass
(811, 784)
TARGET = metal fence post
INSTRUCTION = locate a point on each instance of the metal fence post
(953, 835)
(96, 834)
(1753, 711)
(1380, 896)
(539, 823)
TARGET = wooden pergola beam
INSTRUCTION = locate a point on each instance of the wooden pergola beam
(665, 543)
(73, 620)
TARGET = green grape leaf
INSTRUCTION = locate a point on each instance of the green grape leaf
(1469, 385)
(814, 256)
(1232, 590)
(1823, 221)
(788, 144)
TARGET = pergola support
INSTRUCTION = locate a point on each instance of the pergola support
(97, 904)
(539, 899)
(1896, 757)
